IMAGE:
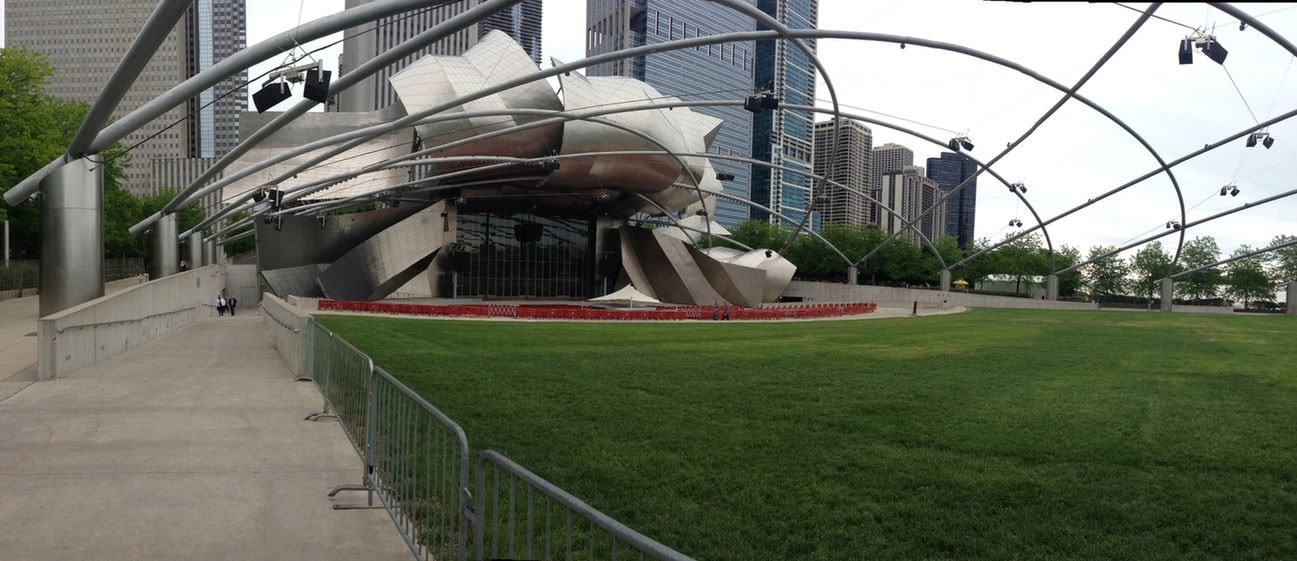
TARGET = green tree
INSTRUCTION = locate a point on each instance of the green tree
(1247, 279)
(1071, 282)
(1283, 262)
(1105, 277)
(242, 245)
(1200, 252)
(1150, 265)
(37, 128)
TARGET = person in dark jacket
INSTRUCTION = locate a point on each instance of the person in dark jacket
(232, 302)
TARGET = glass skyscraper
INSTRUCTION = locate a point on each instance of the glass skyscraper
(215, 29)
(715, 72)
(961, 210)
(785, 137)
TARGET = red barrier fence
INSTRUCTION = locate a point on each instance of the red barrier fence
(577, 312)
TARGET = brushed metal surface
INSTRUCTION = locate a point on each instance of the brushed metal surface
(301, 240)
(388, 260)
(164, 249)
(72, 230)
(294, 281)
(195, 246)
(740, 286)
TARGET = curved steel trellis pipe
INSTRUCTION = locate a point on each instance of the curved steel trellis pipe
(369, 67)
(562, 117)
(325, 206)
(743, 36)
(556, 117)
(1171, 164)
(683, 227)
(1069, 94)
(856, 116)
(1275, 247)
(1199, 222)
(225, 68)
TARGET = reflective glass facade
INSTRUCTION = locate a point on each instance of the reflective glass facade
(523, 255)
(961, 210)
(215, 30)
(785, 137)
(716, 72)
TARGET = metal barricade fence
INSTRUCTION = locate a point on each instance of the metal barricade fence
(417, 464)
(522, 516)
(419, 470)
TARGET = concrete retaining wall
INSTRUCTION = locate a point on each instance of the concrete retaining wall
(287, 325)
(83, 335)
(241, 283)
(823, 292)
(1184, 308)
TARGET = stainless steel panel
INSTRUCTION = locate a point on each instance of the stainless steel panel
(294, 281)
(740, 286)
(302, 240)
(164, 248)
(380, 265)
(72, 230)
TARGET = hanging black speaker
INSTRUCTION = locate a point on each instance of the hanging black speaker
(270, 96)
(1214, 51)
(1186, 51)
(317, 85)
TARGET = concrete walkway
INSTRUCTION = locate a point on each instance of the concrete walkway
(191, 446)
(18, 337)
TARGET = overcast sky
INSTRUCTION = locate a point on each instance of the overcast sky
(1078, 153)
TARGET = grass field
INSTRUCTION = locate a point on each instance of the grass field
(989, 435)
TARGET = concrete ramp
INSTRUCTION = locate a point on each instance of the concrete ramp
(191, 446)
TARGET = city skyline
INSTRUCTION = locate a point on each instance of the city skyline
(993, 105)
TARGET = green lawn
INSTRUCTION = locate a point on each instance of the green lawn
(988, 435)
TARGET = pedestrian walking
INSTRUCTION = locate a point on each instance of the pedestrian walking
(232, 302)
(220, 305)
(726, 314)
(716, 311)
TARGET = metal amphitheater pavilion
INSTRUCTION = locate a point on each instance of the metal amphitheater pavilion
(484, 181)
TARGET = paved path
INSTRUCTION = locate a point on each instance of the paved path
(18, 338)
(192, 447)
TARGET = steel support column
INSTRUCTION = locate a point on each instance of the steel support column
(945, 280)
(209, 252)
(1051, 287)
(72, 236)
(853, 275)
(1168, 294)
(195, 250)
(1292, 298)
(164, 254)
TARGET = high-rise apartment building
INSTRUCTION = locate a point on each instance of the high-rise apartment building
(782, 136)
(522, 22)
(712, 73)
(85, 40)
(910, 193)
(852, 166)
(949, 171)
(887, 158)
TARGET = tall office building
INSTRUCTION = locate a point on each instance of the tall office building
(851, 165)
(910, 193)
(215, 29)
(713, 73)
(86, 39)
(887, 158)
(522, 22)
(949, 171)
(785, 137)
